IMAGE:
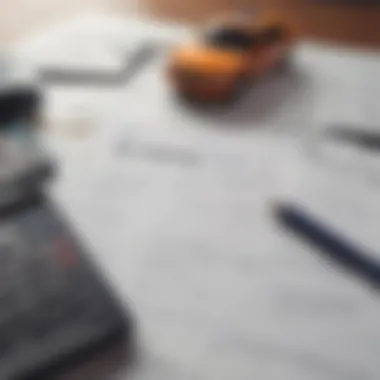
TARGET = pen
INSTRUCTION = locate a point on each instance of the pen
(329, 243)
(365, 139)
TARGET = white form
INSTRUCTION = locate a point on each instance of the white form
(176, 205)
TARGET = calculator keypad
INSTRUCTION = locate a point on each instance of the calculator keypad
(47, 286)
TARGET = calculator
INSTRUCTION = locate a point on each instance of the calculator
(54, 304)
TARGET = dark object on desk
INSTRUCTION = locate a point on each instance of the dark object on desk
(361, 138)
(20, 104)
(89, 77)
(329, 243)
(25, 166)
(55, 309)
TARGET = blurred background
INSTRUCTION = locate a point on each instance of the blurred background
(352, 22)
(292, 306)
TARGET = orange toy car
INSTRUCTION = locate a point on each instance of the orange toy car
(218, 64)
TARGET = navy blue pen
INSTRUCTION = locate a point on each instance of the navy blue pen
(329, 243)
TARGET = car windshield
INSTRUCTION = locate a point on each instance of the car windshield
(225, 38)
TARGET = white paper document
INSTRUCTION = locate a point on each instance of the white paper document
(176, 205)
(182, 221)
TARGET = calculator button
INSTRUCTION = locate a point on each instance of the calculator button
(40, 328)
(65, 252)
(5, 254)
(6, 345)
(8, 300)
(9, 331)
(6, 259)
(37, 278)
(45, 322)
(19, 324)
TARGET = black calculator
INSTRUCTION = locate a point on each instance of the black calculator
(54, 305)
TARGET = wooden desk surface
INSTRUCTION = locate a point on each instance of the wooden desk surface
(316, 19)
